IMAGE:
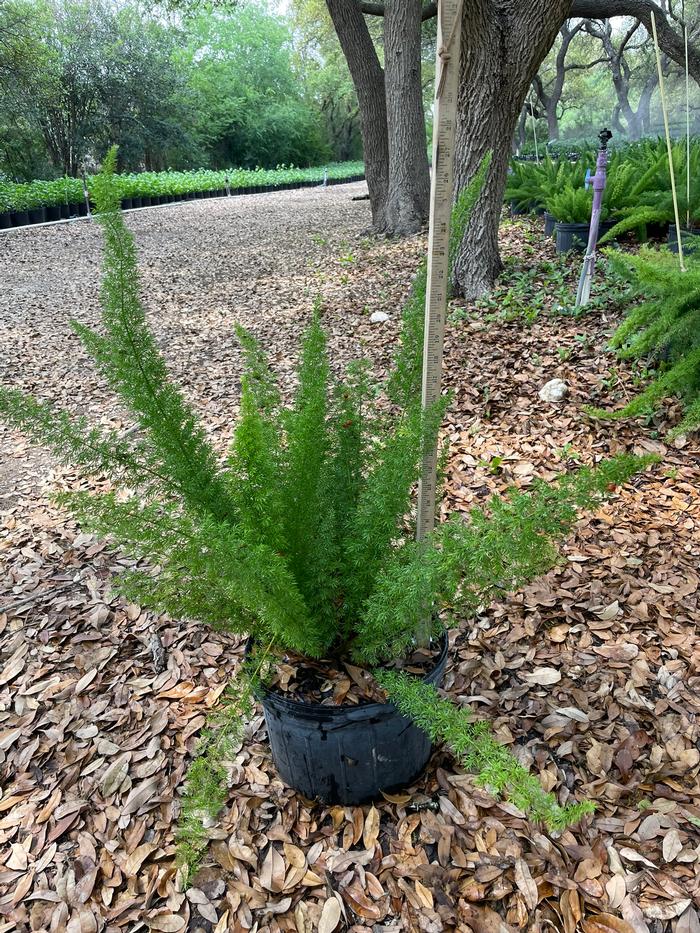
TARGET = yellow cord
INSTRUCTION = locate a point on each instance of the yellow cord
(662, 93)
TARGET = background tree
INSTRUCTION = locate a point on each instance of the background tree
(548, 83)
(250, 99)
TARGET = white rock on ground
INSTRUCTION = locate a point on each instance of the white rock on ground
(379, 317)
(554, 391)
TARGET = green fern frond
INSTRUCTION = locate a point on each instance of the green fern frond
(495, 767)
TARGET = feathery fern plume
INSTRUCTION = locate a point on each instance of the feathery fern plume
(206, 786)
(664, 327)
(463, 564)
(496, 768)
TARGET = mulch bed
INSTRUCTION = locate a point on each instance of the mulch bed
(590, 674)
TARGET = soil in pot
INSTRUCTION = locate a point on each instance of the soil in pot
(691, 243)
(344, 754)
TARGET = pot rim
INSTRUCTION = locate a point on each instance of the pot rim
(301, 708)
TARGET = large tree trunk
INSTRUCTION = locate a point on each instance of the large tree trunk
(368, 78)
(503, 45)
(409, 180)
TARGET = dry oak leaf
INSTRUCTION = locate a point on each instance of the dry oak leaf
(370, 833)
(272, 873)
(543, 676)
(166, 923)
(485, 920)
(134, 861)
(672, 845)
(526, 884)
(330, 916)
(605, 923)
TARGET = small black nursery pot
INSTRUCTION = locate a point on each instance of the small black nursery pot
(346, 754)
(691, 243)
(5, 220)
(37, 215)
(549, 223)
(20, 218)
(53, 212)
(571, 236)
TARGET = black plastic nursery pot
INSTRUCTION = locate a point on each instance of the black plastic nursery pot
(65, 211)
(127, 204)
(5, 220)
(53, 212)
(20, 218)
(575, 236)
(37, 215)
(549, 224)
(346, 754)
(74, 209)
(689, 238)
(571, 236)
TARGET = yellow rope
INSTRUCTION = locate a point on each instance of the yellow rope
(662, 92)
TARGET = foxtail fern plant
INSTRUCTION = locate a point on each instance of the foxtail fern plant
(301, 537)
(663, 328)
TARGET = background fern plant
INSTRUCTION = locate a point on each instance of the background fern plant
(302, 537)
(664, 327)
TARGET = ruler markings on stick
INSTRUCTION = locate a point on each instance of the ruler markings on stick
(441, 188)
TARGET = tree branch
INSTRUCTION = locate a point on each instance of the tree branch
(670, 41)
(377, 9)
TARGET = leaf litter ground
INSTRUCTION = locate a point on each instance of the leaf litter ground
(590, 674)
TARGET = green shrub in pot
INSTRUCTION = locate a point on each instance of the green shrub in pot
(302, 538)
(572, 205)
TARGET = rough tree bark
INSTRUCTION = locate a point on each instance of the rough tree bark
(368, 78)
(409, 180)
(503, 45)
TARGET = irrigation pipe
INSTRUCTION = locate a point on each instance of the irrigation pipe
(664, 110)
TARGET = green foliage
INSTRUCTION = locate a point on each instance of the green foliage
(464, 564)
(477, 751)
(571, 205)
(206, 786)
(150, 184)
(664, 327)
(531, 184)
(251, 106)
(302, 538)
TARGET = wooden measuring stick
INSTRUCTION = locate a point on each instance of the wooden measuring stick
(441, 187)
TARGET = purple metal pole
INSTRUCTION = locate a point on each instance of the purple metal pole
(584, 284)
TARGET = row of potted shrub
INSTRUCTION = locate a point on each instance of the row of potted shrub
(42, 201)
(637, 195)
